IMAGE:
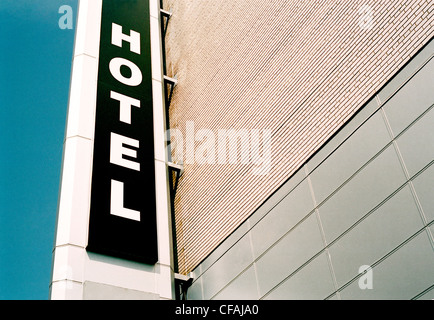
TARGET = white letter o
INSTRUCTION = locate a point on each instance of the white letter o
(115, 69)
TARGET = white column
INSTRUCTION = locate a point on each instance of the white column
(69, 253)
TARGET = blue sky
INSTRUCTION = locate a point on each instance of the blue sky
(35, 65)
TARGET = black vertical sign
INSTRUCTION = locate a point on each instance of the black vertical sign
(123, 209)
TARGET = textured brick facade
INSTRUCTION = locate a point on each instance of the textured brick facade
(298, 68)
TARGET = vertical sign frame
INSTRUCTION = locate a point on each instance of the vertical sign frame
(122, 219)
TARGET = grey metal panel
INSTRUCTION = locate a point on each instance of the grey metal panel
(362, 193)
(382, 231)
(225, 246)
(299, 245)
(359, 119)
(417, 143)
(412, 100)
(195, 291)
(402, 275)
(294, 207)
(424, 186)
(227, 267)
(281, 193)
(350, 156)
(244, 287)
(409, 70)
(314, 281)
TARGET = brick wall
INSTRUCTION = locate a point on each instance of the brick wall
(298, 68)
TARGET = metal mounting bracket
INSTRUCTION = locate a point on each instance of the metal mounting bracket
(172, 82)
(165, 14)
(179, 170)
(183, 282)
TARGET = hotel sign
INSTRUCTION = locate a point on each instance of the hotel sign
(123, 209)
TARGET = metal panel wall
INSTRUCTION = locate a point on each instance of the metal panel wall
(364, 200)
(298, 68)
